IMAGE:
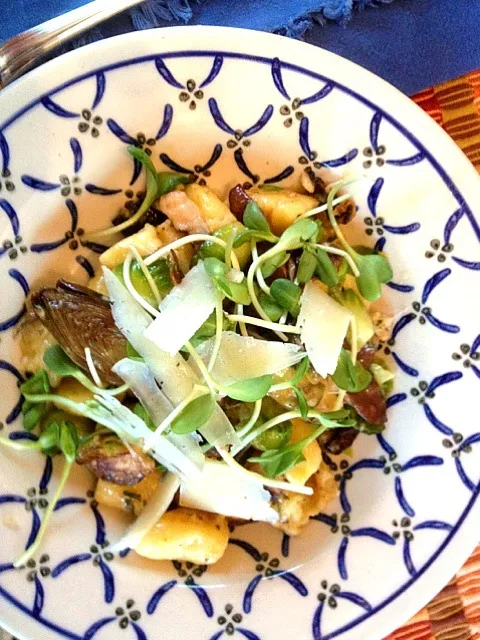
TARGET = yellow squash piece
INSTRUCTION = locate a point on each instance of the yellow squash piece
(186, 534)
(302, 471)
(167, 233)
(146, 241)
(215, 212)
(283, 207)
(127, 498)
(71, 389)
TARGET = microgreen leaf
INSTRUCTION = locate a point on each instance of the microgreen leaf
(167, 181)
(300, 371)
(34, 412)
(271, 308)
(325, 269)
(274, 438)
(194, 415)
(306, 267)
(350, 377)
(132, 352)
(365, 427)
(302, 229)
(253, 218)
(236, 291)
(375, 270)
(287, 294)
(302, 403)
(249, 390)
(272, 264)
(57, 361)
(140, 411)
(247, 234)
(151, 192)
(68, 440)
(218, 270)
(49, 440)
(215, 267)
(275, 462)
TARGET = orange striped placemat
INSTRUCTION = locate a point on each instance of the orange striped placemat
(454, 614)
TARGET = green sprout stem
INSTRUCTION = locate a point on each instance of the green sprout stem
(133, 292)
(195, 237)
(260, 279)
(32, 549)
(218, 330)
(252, 420)
(324, 207)
(146, 273)
(21, 445)
(333, 221)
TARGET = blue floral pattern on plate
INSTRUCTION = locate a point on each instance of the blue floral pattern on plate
(178, 106)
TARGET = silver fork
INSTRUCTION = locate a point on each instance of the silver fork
(22, 52)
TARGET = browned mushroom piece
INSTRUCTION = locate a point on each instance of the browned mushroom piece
(238, 199)
(370, 404)
(109, 459)
(367, 353)
(78, 318)
(335, 441)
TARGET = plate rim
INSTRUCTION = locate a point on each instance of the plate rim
(41, 76)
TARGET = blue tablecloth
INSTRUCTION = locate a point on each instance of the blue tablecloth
(411, 43)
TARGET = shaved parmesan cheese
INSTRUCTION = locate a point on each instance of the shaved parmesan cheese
(154, 510)
(130, 428)
(183, 311)
(173, 375)
(219, 489)
(141, 381)
(241, 358)
(324, 324)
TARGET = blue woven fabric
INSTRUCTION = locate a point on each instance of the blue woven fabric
(412, 43)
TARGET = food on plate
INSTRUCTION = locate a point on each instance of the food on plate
(215, 365)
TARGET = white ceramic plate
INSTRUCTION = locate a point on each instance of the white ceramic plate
(231, 105)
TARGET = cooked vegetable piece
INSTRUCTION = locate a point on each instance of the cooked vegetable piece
(72, 389)
(302, 471)
(370, 404)
(108, 458)
(238, 199)
(146, 241)
(214, 212)
(283, 207)
(78, 320)
(183, 213)
(167, 234)
(274, 438)
(186, 534)
(295, 510)
(154, 509)
(130, 498)
(335, 441)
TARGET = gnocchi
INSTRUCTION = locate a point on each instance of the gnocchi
(146, 242)
(283, 207)
(186, 534)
